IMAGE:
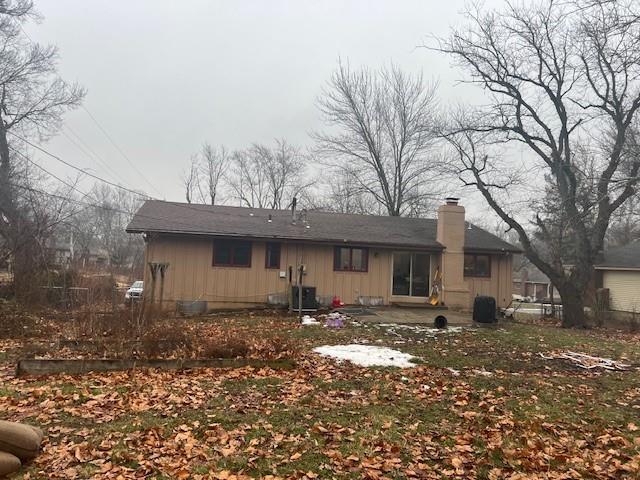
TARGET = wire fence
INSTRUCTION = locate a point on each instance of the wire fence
(551, 310)
(71, 297)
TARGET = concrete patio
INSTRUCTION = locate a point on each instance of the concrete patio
(408, 315)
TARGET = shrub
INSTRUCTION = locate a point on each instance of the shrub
(91, 323)
(224, 347)
(169, 340)
(16, 322)
(101, 289)
(32, 350)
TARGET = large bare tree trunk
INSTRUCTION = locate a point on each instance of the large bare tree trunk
(572, 305)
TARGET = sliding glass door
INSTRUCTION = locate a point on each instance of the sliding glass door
(411, 274)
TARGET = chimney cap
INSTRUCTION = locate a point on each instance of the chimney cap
(451, 200)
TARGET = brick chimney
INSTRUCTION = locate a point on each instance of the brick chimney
(450, 233)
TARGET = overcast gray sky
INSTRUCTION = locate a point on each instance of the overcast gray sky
(164, 76)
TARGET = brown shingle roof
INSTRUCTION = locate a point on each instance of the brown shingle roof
(182, 218)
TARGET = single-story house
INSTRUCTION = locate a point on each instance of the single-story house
(529, 282)
(619, 272)
(236, 256)
(64, 251)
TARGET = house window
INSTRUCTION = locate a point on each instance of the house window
(350, 259)
(272, 255)
(477, 265)
(231, 253)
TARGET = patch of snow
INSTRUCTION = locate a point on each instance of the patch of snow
(453, 371)
(392, 328)
(308, 320)
(367, 355)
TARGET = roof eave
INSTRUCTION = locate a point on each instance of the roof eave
(433, 248)
(617, 267)
(491, 250)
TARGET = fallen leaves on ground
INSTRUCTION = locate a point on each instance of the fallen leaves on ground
(328, 420)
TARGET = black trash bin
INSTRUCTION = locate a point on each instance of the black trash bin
(484, 309)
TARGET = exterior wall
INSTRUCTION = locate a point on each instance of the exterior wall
(624, 289)
(191, 276)
(499, 285)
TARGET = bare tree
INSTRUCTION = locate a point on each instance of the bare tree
(265, 177)
(32, 100)
(625, 223)
(17, 9)
(84, 228)
(43, 207)
(215, 162)
(344, 194)
(558, 75)
(384, 133)
(114, 208)
(204, 180)
(191, 180)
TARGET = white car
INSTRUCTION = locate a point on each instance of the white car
(519, 298)
(135, 291)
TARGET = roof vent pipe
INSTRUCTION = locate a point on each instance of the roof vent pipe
(294, 202)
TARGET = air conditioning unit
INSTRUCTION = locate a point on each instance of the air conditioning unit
(484, 309)
(309, 302)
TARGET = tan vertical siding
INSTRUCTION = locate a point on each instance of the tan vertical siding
(191, 275)
(499, 285)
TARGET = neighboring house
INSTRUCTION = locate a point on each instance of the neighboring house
(235, 256)
(619, 271)
(65, 251)
(530, 282)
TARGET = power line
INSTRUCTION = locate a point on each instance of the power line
(124, 155)
(73, 187)
(71, 200)
(89, 152)
(105, 133)
(95, 205)
(96, 177)
(84, 171)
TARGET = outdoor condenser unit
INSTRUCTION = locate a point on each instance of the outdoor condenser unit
(308, 298)
(484, 309)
